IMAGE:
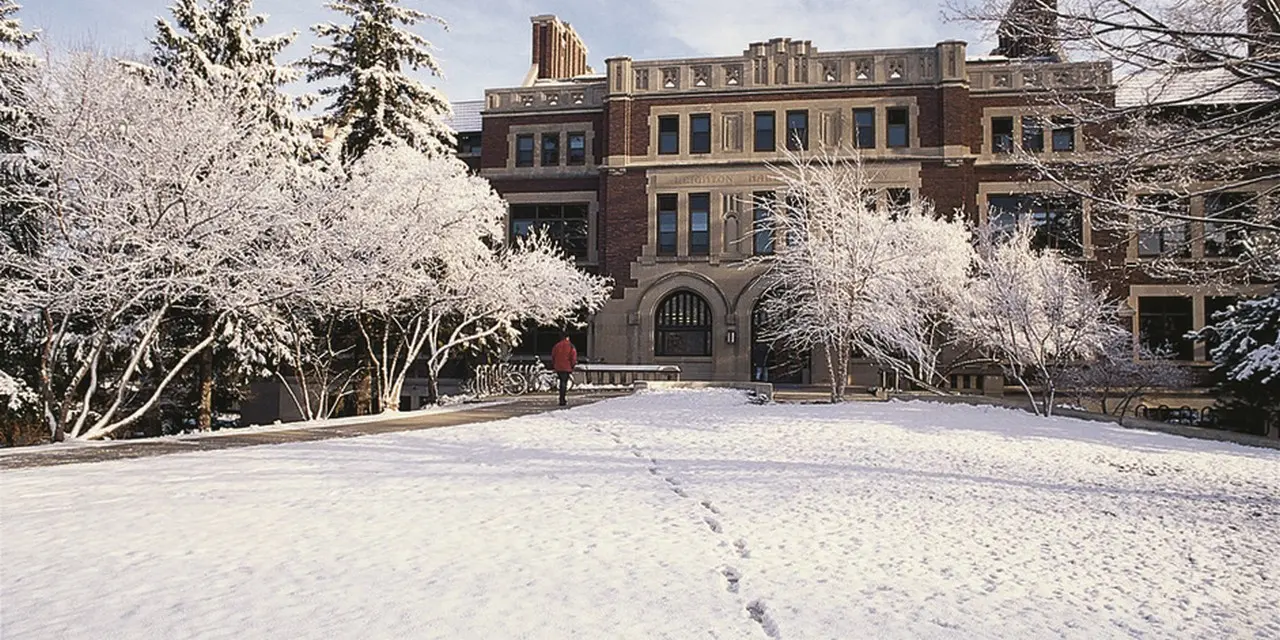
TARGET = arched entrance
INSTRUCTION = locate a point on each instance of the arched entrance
(773, 361)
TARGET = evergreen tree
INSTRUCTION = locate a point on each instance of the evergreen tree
(15, 73)
(212, 43)
(1247, 353)
(376, 99)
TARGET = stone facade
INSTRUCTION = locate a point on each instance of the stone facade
(678, 140)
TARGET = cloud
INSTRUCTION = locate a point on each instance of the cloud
(487, 44)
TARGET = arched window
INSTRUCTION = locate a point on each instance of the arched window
(683, 326)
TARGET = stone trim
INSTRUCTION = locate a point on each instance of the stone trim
(590, 198)
(1197, 293)
(563, 168)
(1195, 230)
(989, 155)
(986, 189)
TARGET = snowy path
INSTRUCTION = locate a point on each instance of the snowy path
(666, 515)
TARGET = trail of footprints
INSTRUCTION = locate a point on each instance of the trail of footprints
(756, 609)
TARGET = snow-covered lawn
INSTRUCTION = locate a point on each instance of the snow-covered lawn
(665, 515)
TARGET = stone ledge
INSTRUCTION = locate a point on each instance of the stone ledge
(761, 390)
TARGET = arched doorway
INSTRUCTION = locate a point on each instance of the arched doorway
(682, 326)
(773, 361)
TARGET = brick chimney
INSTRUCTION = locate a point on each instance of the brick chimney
(558, 51)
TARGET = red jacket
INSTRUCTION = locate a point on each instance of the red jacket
(563, 356)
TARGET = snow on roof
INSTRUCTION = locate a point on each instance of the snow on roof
(1203, 87)
(466, 116)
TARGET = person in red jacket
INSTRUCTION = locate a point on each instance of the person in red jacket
(563, 359)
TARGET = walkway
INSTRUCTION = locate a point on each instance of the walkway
(77, 453)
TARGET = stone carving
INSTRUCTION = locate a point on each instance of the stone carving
(702, 76)
(578, 97)
(831, 71)
(642, 79)
(897, 68)
(733, 74)
(780, 73)
(731, 126)
(527, 100)
(552, 99)
(760, 69)
(926, 68)
(801, 74)
(863, 69)
(671, 78)
(1030, 78)
(1064, 78)
(1000, 80)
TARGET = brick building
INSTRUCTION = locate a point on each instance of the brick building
(648, 173)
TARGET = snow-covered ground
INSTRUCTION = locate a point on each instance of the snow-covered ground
(665, 515)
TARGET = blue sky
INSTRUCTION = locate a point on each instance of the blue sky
(487, 44)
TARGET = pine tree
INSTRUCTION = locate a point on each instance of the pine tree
(212, 43)
(1247, 357)
(377, 100)
(15, 71)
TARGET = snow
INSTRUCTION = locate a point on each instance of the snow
(662, 515)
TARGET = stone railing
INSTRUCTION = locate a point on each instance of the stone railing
(554, 97)
(626, 374)
(1031, 76)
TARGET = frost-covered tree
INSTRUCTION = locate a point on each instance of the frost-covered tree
(1194, 121)
(16, 69)
(848, 276)
(156, 203)
(1246, 351)
(1034, 312)
(376, 99)
(415, 245)
(214, 45)
(1115, 379)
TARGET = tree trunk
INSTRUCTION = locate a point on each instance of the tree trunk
(204, 420)
(364, 389)
(433, 387)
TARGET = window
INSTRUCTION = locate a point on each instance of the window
(565, 223)
(766, 135)
(864, 124)
(667, 225)
(700, 133)
(683, 326)
(577, 148)
(899, 127)
(699, 224)
(468, 144)
(1056, 219)
(798, 130)
(1225, 240)
(1163, 324)
(1064, 134)
(766, 132)
(524, 151)
(550, 149)
(1032, 134)
(762, 219)
(669, 135)
(898, 198)
(1158, 234)
(1002, 135)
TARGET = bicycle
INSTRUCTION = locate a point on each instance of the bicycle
(544, 379)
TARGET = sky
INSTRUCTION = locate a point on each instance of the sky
(487, 43)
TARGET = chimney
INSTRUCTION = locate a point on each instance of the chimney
(558, 51)
(1029, 30)
(1262, 18)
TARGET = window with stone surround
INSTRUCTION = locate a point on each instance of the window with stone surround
(762, 223)
(668, 135)
(864, 125)
(699, 224)
(683, 326)
(1064, 134)
(1002, 135)
(1032, 134)
(524, 150)
(1222, 239)
(766, 136)
(1163, 324)
(550, 149)
(798, 130)
(668, 225)
(1057, 219)
(700, 133)
(1159, 234)
(566, 223)
(577, 148)
(898, 120)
